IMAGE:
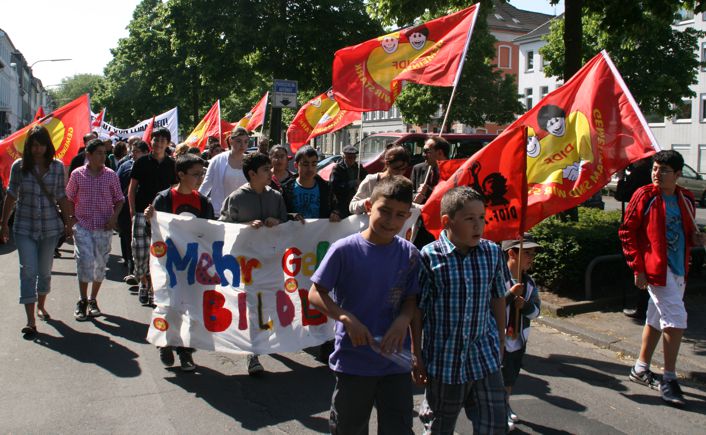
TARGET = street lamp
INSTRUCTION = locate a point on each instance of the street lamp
(48, 60)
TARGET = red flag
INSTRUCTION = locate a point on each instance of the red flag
(256, 116)
(210, 125)
(573, 140)
(67, 125)
(226, 128)
(448, 167)
(319, 116)
(147, 135)
(98, 121)
(369, 76)
(39, 115)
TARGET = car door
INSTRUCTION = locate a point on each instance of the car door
(693, 182)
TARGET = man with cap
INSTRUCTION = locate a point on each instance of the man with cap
(225, 171)
(345, 178)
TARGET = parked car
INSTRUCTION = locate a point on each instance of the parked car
(462, 146)
(328, 160)
(689, 179)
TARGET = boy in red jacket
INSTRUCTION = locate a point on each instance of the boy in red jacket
(657, 234)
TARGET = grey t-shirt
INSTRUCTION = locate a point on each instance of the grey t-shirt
(246, 205)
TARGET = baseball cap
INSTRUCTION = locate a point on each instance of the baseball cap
(350, 149)
(527, 243)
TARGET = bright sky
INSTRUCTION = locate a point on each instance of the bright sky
(86, 30)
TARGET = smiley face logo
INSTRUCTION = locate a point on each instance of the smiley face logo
(160, 324)
(316, 102)
(291, 285)
(158, 249)
(390, 42)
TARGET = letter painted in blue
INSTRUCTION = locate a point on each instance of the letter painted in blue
(225, 262)
(174, 260)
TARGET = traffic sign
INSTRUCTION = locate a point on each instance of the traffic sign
(284, 93)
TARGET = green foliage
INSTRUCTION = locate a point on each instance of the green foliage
(189, 53)
(658, 63)
(75, 86)
(568, 248)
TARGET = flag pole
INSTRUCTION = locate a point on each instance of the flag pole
(460, 69)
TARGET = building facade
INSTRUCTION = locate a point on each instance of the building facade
(21, 94)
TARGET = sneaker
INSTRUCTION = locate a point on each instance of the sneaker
(131, 280)
(143, 295)
(166, 356)
(646, 378)
(80, 311)
(510, 424)
(511, 414)
(254, 366)
(150, 298)
(671, 393)
(187, 362)
(93, 310)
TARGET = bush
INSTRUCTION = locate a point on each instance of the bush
(568, 248)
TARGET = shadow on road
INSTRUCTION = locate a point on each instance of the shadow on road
(115, 271)
(537, 428)
(91, 348)
(540, 389)
(122, 327)
(272, 399)
(593, 372)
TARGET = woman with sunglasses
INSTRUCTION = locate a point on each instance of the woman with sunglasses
(397, 161)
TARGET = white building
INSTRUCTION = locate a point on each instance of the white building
(532, 84)
(686, 132)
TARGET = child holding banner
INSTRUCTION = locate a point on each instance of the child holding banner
(462, 307)
(255, 204)
(374, 278)
(182, 199)
(523, 305)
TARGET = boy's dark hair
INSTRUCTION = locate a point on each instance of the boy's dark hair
(194, 150)
(548, 112)
(38, 134)
(93, 145)
(187, 161)
(395, 187)
(142, 146)
(253, 162)
(670, 158)
(305, 151)
(120, 149)
(162, 132)
(89, 137)
(454, 200)
(277, 148)
(441, 144)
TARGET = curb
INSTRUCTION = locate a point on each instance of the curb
(687, 368)
(581, 307)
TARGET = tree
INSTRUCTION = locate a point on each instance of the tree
(73, 87)
(658, 63)
(191, 52)
(483, 95)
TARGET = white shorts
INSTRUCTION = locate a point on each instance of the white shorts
(666, 306)
(92, 250)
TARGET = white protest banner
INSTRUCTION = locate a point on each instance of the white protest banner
(168, 119)
(232, 288)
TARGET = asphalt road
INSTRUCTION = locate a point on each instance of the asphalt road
(102, 376)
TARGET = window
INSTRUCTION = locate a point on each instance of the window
(687, 172)
(529, 62)
(543, 91)
(684, 150)
(703, 54)
(504, 56)
(654, 118)
(684, 112)
(702, 108)
(702, 158)
(528, 98)
(684, 14)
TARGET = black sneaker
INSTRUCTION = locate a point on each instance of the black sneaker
(646, 378)
(187, 362)
(671, 393)
(93, 310)
(254, 366)
(166, 356)
(80, 311)
(143, 295)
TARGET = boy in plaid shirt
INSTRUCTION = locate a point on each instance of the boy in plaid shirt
(462, 304)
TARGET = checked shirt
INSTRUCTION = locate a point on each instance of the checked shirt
(94, 197)
(460, 336)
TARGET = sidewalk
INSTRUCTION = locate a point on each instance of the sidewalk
(613, 330)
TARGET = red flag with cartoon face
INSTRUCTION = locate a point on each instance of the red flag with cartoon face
(564, 150)
(319, 116)
(369, 76)
(256, 116)
(67, 125)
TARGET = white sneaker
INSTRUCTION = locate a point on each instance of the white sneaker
(510, 424)
(511, 414)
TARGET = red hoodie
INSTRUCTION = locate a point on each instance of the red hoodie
(643, 232)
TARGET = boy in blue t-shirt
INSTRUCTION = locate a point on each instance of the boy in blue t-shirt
(373, 276)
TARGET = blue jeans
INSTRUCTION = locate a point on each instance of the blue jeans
(36, 259)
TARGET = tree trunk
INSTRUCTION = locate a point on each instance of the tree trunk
(573, 35)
